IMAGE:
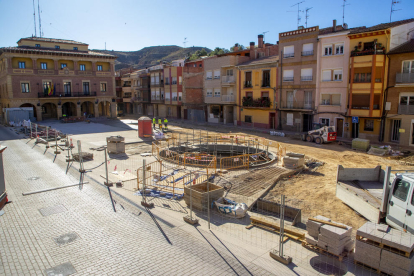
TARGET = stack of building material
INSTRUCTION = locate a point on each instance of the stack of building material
(385, 249)
(293, 160)
(333, 239)
(360, 144)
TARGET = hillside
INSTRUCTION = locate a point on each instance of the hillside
(150, 56)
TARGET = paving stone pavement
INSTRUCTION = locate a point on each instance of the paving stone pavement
(127, 242)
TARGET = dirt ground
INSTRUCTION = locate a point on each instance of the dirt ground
(314, 192)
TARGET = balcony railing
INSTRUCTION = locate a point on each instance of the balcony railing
(288, 55)
(406, 109)
(298, 104)
(260, 102)
(158, 98)
(367, 52)
(287, 78)
(63, 94)
(405, 78)
(248, 84)
(307, 53)
(227, 79)
(227, 98)
(266, 84)
(306, 78)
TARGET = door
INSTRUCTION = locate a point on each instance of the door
(395, 130)
(185, 114)
(355, 130)
(67, 88)
(307, 122)
(308, 100)
(178, 112)
(397, 203)
(85, 88)
(272, 120)
(289, 103)
(409, 214)
(339, 127)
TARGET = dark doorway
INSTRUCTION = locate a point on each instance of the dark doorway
(185, 114)
(178, 112)
(307, 122)
(272, 120)
(339, 127)
(355, 130)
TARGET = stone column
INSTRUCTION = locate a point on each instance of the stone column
(96, 109)
(39, 113)
(59, 111)
(113, 110)
(78, 110)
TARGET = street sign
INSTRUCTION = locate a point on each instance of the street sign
(355, 120)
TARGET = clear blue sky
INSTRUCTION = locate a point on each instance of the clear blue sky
(129, 25)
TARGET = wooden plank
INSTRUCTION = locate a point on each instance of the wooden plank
(328, 223)
(250, 226)
(296, 235)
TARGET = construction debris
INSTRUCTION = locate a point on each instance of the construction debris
(293, 160)
(384, 249)
(85, 156)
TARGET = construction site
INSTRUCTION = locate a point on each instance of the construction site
(324, 207)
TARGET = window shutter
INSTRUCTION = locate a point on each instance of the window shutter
(307, 47)
(306, 72)
(336, 99)
(289, 119)
(289, 50)
(288, 73)
(326, 75)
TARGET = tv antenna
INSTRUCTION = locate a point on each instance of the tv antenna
(34, 16)
(185, 41)
(264, 40)
(40, 21)
(343, 11)
(298, 4)
(307, 16)
(393, 3)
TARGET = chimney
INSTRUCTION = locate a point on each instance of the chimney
(260, 41)
(251, 46)
(334, 25)
(236, 47)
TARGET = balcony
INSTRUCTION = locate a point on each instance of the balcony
(266, 84)
(157, 84)
(307, 53)
(228, 99)
(258, 103)
(65, 95)
(291, 55)
(367, 52)
(157, 99)
(406, 109)
(213, 99)
(127, 95)
(404, 78)
(298, 105)
(287, 78)
(306, 78)
(248, 84)
(228, 80)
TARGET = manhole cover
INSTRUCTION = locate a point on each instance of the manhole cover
(66, 238)
(61, 270)
(33, 178)
(52, 210)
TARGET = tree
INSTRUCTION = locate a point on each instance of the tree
(218, 51)
(241, 47)
(199, 53)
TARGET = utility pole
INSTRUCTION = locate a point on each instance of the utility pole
(393, 3)
(40, 21)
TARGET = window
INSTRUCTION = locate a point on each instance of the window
(57, 47)
(288, 51)
(180, 96)
(401, 189)
(249, 95)
(67, 88)
(85, 86)
(326, 75)
(43, 65)
(180, 80)
(25, 87)
(167, 80)
(339, 49)
(216, 74)
(174, 96)
(407, 100)
(330, 99)
(368, 125)
(46, 86)
(229, 72)
(265, 95)
(326, 99)
(266, 78)
(209, 92)
(103, 87)
(174, 80)
(306, 74)
(37, 45)
(307, 49)
(82, 67)
(287, 75)
(289, 119)
(324, 121)
(216, 92)
(75, 48)
(327, 50)
(338, 75)
(63, 65)
(99, 68)
(408, 66)
(209, 75)
(248, 119)
(248, 79)
(22, 64)
(362, 77)
(201, 65)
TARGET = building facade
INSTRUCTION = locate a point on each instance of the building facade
(297, 86)
(399, 126)
(58, 78)
(173, 87)
(194, 108)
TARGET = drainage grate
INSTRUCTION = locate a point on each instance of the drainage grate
(61, 270)
(52, 210)
(66, 238)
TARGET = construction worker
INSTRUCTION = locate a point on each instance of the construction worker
(165, 123)
(159, 123)
(153, 122)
